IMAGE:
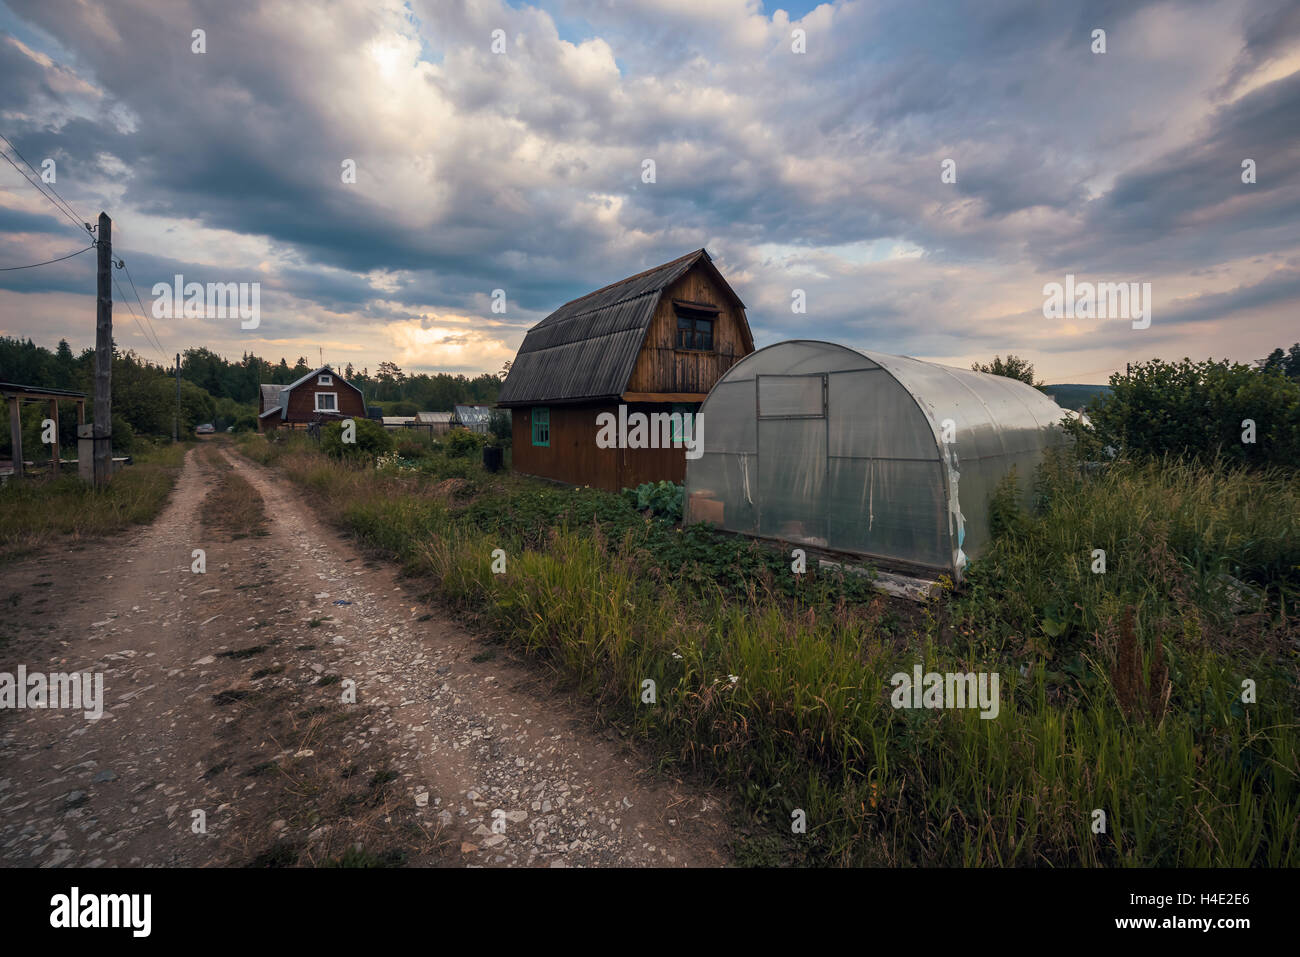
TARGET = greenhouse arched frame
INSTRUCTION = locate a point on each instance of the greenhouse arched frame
(886, 457)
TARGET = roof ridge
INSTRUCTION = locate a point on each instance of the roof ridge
(644, 272)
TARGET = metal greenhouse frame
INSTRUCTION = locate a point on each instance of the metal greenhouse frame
(882, 456)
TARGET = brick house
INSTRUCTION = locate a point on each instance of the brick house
(319, 396)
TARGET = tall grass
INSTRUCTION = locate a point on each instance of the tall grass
(780, 689)
(36, 512)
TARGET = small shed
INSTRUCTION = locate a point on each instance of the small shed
(882, 456)
(648, 348)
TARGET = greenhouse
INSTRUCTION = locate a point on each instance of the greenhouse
(880, 456)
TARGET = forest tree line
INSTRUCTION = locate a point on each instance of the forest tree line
(213, 389)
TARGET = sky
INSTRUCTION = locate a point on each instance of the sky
(918, 172)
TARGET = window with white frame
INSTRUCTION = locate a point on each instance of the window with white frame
(325, 380)
(327, 401)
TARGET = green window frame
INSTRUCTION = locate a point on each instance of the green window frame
(684, 408)
(542, 426)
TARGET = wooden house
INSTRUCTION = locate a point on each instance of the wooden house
(319, 396)
(655, 342)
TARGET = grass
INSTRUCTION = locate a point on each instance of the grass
(233, 508)
(38, 512)
(1121, 692)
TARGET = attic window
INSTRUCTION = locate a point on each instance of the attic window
(695, 327)
(325, 380)
(327, 402)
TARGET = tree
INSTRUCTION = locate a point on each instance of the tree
(1013, 367)
(1200, 410)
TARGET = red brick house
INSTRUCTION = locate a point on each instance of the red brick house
(319, 396)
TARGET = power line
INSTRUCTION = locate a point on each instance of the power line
(131, 310)
(48, 261)
(64, 207)
(69, 212)
(143, 310)
(49, 185)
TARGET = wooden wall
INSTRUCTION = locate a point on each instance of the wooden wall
(574, 457)
(663, 368)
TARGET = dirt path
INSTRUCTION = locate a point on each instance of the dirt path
(224, 694)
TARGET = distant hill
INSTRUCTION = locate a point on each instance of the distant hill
(1075, 396)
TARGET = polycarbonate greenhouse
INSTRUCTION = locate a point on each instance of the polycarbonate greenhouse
(882, 456)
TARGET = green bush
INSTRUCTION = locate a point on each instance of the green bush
(246, 423)
(410, 447)
(371, 439)
(123, 436)
(462, 443)
(1197, 410)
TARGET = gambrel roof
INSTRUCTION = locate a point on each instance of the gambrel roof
(587, 349)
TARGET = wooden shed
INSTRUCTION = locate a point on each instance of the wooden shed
(654, 343)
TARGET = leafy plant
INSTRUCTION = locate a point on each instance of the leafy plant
(663, 498)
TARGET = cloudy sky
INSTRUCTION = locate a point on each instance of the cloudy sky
(522, 169)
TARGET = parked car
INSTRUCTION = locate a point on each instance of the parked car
(205, 429)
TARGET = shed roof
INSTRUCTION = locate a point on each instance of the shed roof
(587, 348)
(16, 390)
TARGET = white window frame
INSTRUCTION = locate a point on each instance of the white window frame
(325, 380)
(334, 395)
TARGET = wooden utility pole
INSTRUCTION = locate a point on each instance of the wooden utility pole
(103, 428)
(176, 419)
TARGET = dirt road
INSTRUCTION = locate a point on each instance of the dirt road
(229, 736)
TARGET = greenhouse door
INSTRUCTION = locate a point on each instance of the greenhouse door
(792, 457)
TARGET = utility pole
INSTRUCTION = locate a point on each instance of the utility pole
(176, 419)
(103, 429)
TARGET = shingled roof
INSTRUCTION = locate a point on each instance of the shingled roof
(587, 348)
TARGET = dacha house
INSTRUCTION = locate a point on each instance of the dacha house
(604, 390)
(320, 396)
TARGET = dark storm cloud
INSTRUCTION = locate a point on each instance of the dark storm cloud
(1066, 160)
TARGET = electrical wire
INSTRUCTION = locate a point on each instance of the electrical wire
(131, 311)
(70, 213)
(143, 310)
(65, 203)
(48, 261)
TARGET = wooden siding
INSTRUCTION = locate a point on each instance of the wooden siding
(573, 456)
(302, 403)
(663, 368)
